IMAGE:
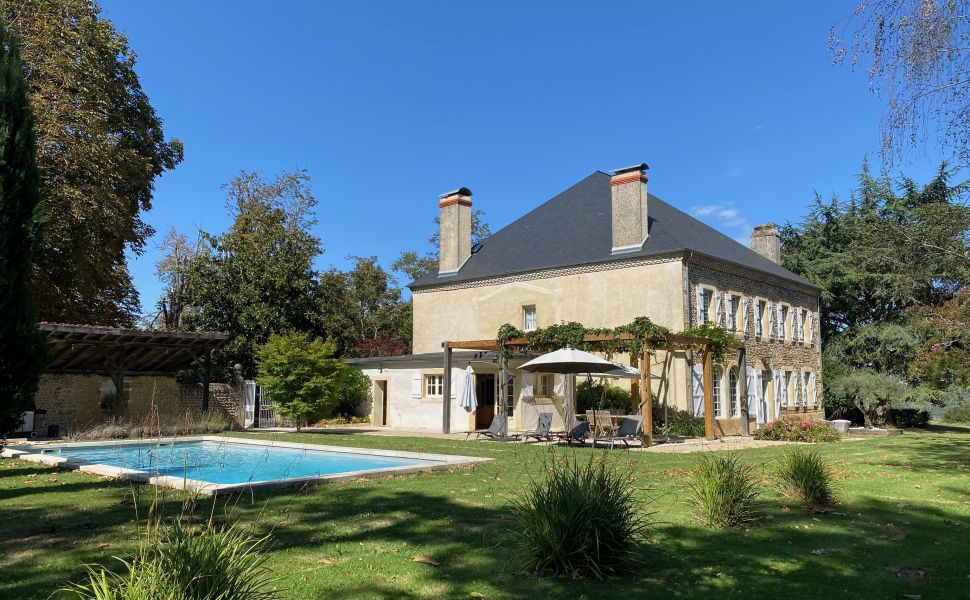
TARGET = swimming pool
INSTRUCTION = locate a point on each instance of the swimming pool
(219, 465)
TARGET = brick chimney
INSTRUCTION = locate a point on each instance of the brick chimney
(455, 230)
(766, 241)
(629, 194)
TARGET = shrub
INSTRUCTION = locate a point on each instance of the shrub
(722, 492)
(957, 413)
(603, 396)
(793, 429)
(676, 422)
(906, 418)
(804, 476)
(583, 519)
(180, 563)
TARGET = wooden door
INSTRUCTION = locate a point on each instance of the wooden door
(485, 394)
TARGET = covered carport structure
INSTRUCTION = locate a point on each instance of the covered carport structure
(117, 353)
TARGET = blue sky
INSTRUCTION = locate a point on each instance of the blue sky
(736, 107)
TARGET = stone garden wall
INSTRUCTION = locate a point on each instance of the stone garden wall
(73, 400)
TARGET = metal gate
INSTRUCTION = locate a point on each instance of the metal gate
(259, 410)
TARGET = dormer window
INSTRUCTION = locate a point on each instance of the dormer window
(529, 318)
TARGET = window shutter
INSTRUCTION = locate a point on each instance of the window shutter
(559, 385)
(813, 389)
(797, 388)
(776, 376)
(771, 320)
(717, 307)
(525, 386)
(697, 389)
(416, 385)
(744, 316)
(751, 386)
(811, 330)
(779, 323)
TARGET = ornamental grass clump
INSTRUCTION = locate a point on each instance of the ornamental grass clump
(804, 476)
(722, 492)
(179, 562)
(583, 519)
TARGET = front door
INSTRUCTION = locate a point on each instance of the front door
(485, 394)
(380, 403)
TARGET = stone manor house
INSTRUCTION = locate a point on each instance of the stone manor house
(602, 253)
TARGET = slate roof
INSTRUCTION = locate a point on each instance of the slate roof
(574, 228)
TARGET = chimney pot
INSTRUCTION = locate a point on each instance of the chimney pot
(766, 241)
(630, 217)
(455, 230)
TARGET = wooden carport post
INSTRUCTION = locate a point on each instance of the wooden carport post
(446, 391)
(708, 393)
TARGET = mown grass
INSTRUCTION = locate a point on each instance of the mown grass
(904, 504)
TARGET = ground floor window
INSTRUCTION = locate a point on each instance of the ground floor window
(732, 400)
(434, 385)
(545, 385)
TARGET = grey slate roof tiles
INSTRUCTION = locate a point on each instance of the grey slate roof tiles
(574, 228)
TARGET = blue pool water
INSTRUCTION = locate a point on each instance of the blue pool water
(229, 463)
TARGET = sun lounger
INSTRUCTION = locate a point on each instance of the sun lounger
(541, 432)
(494, 430)
(577, 434)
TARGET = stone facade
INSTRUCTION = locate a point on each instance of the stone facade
(73, 400)
(766, 352)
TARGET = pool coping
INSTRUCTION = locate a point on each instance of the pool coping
(441, 461)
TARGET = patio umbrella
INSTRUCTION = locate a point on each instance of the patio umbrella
(569, 361)
(467, 399)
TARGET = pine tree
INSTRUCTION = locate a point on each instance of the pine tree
(22, 348)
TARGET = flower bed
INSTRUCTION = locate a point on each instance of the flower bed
(793, 429)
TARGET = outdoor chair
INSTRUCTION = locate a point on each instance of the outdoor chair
(577, 434)
(541, 432)
(600, 422)
(494, 430)
(629, 431)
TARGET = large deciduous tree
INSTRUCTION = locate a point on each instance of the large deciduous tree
(100, 149)
(21, 344)
(917, 56)
(258, 278)
(173, 272)
(362, 310)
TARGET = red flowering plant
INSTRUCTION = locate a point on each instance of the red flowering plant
(794, 429)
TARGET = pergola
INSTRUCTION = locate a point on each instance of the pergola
(674, 342)
(115, 352)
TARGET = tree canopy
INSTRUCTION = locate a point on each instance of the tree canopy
(892, 261)
(100, 147)
(22, 346)
(257, 278)
(415, 264)
(917, 56)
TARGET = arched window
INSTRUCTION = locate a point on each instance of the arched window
(716, 393)
(732, 399)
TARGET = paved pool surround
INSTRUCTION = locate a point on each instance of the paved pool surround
(33, 452)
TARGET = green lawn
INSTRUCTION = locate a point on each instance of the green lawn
(906, 504)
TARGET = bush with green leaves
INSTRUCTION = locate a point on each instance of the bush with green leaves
(676, 422)
(302, 376)
(722, 491)
(907, 418)
(602, 396)
(585, 518)
(181, 562)
(794, 429)
(804, 476)
(957, 413)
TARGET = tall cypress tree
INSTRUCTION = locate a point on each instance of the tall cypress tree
(22, 347)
